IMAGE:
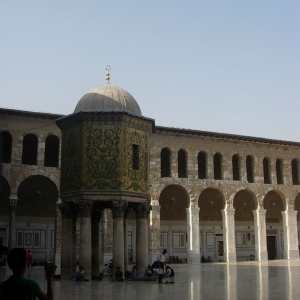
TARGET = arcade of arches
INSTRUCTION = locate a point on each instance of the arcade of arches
(108, 177)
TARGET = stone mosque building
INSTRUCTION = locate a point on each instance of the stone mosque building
(92, 185)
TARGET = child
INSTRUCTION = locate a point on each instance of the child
(170, 273)
(160, 272)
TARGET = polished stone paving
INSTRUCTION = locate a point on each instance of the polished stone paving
(278, 279)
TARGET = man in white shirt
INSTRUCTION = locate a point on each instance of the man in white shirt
(161, 258)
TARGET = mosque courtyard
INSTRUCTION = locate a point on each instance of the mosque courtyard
(277, 279)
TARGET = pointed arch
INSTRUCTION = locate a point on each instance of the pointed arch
(211, 202)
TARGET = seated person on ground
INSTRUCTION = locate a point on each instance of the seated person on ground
(79, 275)
(170, 273)
(106, 271)
(119, 275)
(149, 272)
(131, 274)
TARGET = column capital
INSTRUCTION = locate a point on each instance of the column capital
(85, 208)
(68, 210)
(118, 209)
(142, 210)
(13, 202)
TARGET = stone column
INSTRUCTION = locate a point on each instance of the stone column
(12, 222)
(193, 245)
(125, 223)
(229, 234)
(95, 243)
(85, 246)
(106, 223)
(118, 210)
(141, 214)
(57, 237)
(261, 253)
(290, 234)
(154, 231)
(69, 214)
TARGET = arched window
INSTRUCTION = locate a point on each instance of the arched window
(217, 166)
(51, 151)
(5, 147)
(236, 167)
(182, 164)
(165, 164)
(295, 172)
(266, 166)
(202, 165)
(30, 147)
(279, 171)
(249, 167)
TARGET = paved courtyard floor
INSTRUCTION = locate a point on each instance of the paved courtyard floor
(278, 279)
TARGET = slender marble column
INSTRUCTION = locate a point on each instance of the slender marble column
(85, 248)
(229, 235)
(261, 253)
(154, 231)
(95, 244)
(193, 235)
(118, 209)
(69, 214)
(126, 212)
(141, 214)
(12, 222)
(290, 233)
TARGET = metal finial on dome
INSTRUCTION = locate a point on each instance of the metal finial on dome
(107, 73)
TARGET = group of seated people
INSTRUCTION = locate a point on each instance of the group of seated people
(157, 271)
(205, 260)
(174, 260)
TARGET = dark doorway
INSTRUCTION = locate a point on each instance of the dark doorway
(271, 247)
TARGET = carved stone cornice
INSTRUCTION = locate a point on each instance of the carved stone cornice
(68, 210)
(142, 210)
(118, 209)
(85, 208)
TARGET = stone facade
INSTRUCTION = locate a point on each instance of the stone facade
(239, 197)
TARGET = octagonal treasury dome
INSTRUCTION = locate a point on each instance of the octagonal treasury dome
(106, 98)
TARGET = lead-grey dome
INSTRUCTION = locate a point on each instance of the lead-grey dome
(108, 97)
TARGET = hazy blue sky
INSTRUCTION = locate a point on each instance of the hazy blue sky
(223, 66)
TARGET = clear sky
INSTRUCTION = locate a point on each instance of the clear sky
(222, 66)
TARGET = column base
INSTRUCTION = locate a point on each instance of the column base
(261, 256)
(230, 258)
(194, 258)
(291, 254)
(57, 261)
